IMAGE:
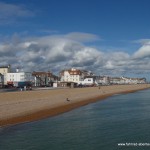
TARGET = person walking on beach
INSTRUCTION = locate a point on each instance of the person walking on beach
(67, 99)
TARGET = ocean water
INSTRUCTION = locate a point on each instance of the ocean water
(118, 122)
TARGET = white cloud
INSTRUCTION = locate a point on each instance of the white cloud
(58, 52)
(144, 51)
(82, 37)
(10, 12)
(141, 41)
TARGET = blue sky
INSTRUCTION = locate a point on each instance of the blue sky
(109, 37)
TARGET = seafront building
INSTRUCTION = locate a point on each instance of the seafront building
(106, 80)
(69, 77)
(44, 78)
(103, 80)
(77, 76)
(91, 80)
(3, 71)
(18, 78)
(126, 80)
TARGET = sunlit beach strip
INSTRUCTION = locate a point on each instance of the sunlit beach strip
(20, 107)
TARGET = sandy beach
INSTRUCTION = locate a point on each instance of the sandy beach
(25, 106)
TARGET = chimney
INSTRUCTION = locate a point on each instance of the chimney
(17, 70)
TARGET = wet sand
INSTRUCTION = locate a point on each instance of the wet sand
(25, 106)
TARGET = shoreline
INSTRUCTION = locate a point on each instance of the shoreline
(22, 107)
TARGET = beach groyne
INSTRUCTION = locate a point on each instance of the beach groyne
(25, 106)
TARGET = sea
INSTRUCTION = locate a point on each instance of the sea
(120, 122)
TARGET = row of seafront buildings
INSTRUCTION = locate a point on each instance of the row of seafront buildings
(68, 77)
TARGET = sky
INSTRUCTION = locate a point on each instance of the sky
(107, 37)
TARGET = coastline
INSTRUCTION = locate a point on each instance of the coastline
(27, 106)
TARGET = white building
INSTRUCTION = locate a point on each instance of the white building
(73, 75)
(90, 80)
(4, 70)
(14, 78)
(126, 80)
(103, 80)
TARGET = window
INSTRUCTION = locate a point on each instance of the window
(21, 75)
